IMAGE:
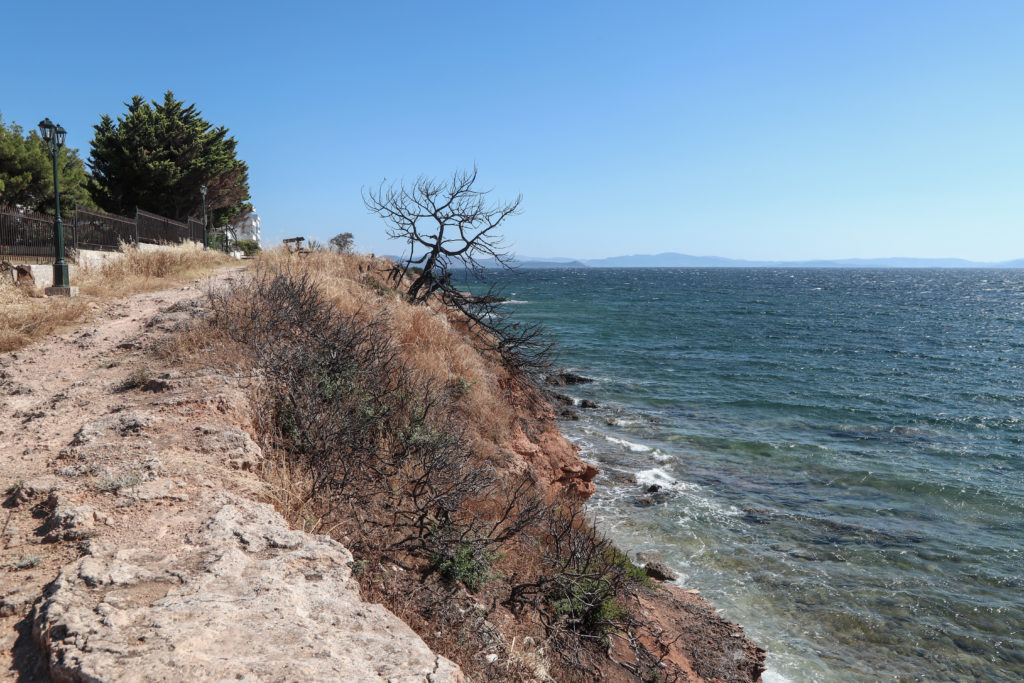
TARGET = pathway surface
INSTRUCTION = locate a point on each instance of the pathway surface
(132, 546)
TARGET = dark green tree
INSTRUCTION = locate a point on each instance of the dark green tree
(342, 242)
(26, 173)
(156, 156)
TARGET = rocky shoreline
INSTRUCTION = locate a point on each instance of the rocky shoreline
(135, 545)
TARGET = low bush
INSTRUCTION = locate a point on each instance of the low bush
(370, 408)
(248, 247)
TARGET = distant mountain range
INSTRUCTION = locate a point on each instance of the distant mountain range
(674, 260)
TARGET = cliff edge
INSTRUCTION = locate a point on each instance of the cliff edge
(134, 545)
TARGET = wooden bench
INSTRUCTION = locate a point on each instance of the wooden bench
(294, 245)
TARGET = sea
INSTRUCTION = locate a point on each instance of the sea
(833, 457)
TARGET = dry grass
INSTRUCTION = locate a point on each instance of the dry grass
(441, 353)
(149, 269)
(26, 316)
(346, 371)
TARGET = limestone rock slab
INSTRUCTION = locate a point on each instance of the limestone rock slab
(243, 598)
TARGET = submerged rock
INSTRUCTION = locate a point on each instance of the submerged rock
(561, 379)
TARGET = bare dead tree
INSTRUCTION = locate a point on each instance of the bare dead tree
(447, 223)
(525, 349)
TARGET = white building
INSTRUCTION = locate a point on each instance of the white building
(248, 228)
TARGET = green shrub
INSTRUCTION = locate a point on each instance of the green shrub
(629, 570)
(468, 564)
(247, 247)
(590, 605)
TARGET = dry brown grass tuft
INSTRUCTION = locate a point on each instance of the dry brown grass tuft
(440, 352)
(146, 270)
(26, 317)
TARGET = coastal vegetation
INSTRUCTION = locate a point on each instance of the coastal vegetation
(153, 157)
(386, 424)
(26, 173)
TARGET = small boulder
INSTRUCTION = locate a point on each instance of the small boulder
(660, 572)
(561, 379)
(24, 275)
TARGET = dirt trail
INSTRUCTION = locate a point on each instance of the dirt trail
(130, 510)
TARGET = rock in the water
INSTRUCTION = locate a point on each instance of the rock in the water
(560, 379)
(561, 399)
(660, 572)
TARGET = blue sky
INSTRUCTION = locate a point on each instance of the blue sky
(760, 130)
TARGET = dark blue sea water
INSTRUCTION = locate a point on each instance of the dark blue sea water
(840, 453)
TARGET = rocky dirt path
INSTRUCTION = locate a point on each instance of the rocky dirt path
(131, 545)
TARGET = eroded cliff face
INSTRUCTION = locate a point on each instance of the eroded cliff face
(536, 440)
(674, 624)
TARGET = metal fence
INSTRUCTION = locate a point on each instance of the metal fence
(100, 231)
(195, 230)
(28, 237)
(154, 229)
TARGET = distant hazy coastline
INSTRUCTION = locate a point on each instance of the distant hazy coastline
(674, 260)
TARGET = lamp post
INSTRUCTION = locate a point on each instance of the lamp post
(202, 191)
(53, 136)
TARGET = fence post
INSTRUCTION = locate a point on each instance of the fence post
(74, 229)
(136, 226)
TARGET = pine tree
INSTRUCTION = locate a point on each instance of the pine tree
(26, 173)
(156, 156)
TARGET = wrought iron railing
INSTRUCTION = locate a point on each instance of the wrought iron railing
(195, 229)
(154, 229)
(28, 237)
(101, 231)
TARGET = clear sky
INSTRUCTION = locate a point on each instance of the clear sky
(760, 130)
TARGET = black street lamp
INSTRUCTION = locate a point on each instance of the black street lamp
(53, 136)
(202, 191)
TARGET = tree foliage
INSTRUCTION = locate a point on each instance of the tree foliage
(26, 173)
(342, 242)
(157, 155)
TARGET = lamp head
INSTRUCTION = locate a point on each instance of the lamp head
(59, 134)
(46, 129)
(202, 190)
